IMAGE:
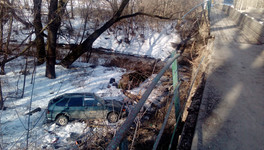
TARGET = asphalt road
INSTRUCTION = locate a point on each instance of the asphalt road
(231, 116)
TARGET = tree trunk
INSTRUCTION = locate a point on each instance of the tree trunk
(55, 13)
(87, 44)
(1, 96)
(6, 46)
(7, 42)
(1, 49)
(1, 27)
(72, 15)
(40, 45)
(1, 38)
(51, 41)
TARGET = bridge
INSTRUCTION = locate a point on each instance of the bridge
(231, 115)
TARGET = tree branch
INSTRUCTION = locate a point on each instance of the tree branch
(87, 44)
(27, 24)
(146, 14)
(13, 12)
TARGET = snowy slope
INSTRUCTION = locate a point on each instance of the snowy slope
(81, 78)
(156, 44)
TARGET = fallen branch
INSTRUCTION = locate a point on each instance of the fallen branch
(33, 111)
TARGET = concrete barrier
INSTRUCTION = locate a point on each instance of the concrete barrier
(250, 27)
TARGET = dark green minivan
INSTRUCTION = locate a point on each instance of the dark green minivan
(83, 106)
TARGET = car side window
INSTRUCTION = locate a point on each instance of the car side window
(90, 102)
(75, 101)
(62, 102)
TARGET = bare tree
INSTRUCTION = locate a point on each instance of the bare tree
(72, 14)
(86, 46)
(6, 51)
(114, 5)
(11, 8)
(7, 14)
(56, 10)
(1, 96)
(1, 48)
(2, 16)
(39, 41)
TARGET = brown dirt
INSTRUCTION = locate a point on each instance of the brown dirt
(132, 80)
(190, 123)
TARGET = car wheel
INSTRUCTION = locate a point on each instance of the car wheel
(62, 120)
(112, 117)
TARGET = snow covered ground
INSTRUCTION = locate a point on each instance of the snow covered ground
(80, 78)
(156, 44)
(39, 90)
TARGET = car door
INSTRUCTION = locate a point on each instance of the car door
(59, 107)
(75, 107)
(93, 108)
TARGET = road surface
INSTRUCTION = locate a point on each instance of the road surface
(231, 116)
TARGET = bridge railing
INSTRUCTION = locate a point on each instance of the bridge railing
(176, 84)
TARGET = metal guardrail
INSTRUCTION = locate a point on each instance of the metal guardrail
(181, 112)
(175, 95)
(132, 115)
(201, 4)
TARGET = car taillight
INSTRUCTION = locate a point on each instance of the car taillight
(123, 109)
(48, 111)
(78, 142)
